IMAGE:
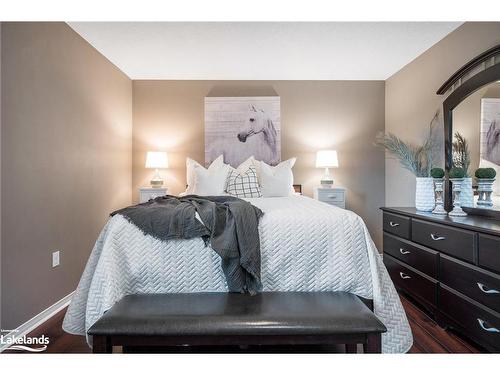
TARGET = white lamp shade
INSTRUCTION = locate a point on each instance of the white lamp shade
(327, 159)
(156, 159)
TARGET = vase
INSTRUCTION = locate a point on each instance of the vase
(484, 189)
(456, 184)
(438, 190)
(424, 194)
(466, 193)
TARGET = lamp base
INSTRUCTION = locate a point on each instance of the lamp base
(326, 179)
(326, 182)
(156, 183)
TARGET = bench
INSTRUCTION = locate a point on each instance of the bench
(269, 318)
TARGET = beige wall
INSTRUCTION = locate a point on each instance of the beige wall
(411, 100)
(345, 115)
(66, 160)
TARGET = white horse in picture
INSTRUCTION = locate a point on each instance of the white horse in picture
(493, 143)
(256, 137)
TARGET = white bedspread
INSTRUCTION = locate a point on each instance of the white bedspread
(306, 245)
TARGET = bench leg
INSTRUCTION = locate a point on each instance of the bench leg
(373, 343)
(351, 348)
(101, 344)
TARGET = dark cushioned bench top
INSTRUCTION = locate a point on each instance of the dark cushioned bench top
(268, 313)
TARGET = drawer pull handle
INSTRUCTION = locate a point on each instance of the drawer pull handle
(437, 238)
(393, 224)
(332, 196)
(487, 291)
(403, 251)
(404, 276)
(490, 329)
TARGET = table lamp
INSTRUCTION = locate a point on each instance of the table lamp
(327, 159)
(156, 160)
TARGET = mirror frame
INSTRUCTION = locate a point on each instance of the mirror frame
(467, 88)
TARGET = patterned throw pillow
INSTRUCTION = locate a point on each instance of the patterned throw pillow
(243, 185)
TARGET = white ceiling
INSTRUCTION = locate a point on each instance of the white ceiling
(262, 51)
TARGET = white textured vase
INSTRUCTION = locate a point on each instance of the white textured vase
(424, 194)
(467, 194)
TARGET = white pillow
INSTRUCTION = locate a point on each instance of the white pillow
(277, 181)
(243, 184)
(241, 169)
(245, 166)
(209, 182)
(192, 164)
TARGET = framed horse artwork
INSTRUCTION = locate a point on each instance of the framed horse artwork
(490, 131)
(240, 127)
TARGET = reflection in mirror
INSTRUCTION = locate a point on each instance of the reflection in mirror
(476, 128)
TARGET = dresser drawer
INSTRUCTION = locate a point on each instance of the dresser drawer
(336, 204)
(449, 240)
(480, 323)
(329, 196)
(145, 194)
(480, 285)
(425, 260)
(396, 224)
(412, 281)
(489, 252)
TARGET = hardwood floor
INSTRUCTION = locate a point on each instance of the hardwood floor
(428, 338)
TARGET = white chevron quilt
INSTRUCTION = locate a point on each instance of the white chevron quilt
(306, 245)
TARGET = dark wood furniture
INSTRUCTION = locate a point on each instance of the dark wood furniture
(462, 84)
(270, 318)
(451, 266)
(465, 70)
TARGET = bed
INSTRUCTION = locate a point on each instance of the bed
(306, 245)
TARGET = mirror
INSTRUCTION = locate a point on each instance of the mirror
(476, 143)
(472, 108)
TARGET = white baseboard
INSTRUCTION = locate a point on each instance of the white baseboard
(37, 320)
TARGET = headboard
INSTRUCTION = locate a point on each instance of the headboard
(297, 188)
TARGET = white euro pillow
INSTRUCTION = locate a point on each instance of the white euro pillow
(209, 182)
(277, 181)
(245, 166)
(191, 164)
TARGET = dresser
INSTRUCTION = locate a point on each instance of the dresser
(334, 195)
(450, 266)
(147, 193)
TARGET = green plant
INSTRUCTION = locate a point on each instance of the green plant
(437, 173)
(461, 153)
(417, 159)
(485, 173)
(456, 172)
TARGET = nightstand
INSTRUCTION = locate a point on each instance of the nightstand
(147, 193)
(334, 195)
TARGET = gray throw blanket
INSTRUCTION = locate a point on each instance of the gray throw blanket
(230, 225)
